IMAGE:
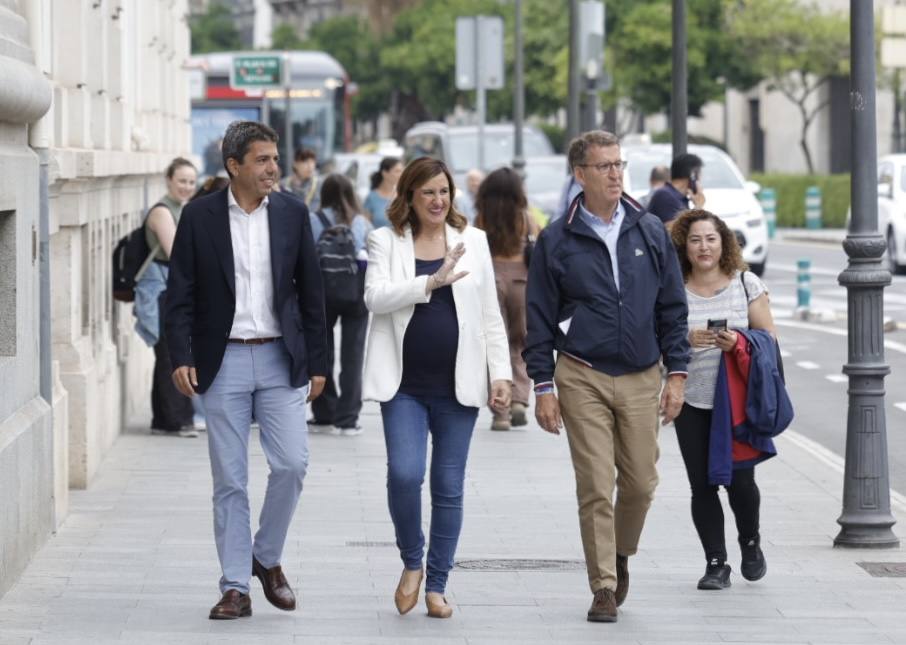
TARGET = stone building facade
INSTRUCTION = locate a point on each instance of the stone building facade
(98, 109)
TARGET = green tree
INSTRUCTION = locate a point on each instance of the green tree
(284, 37)
(214, 31)
(797, 48)
(640, 55)
(351, 41)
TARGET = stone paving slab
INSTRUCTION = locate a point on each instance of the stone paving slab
(134, 562)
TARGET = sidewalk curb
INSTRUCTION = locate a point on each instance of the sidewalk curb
(830, 236)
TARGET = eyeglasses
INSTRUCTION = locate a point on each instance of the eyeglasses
(605, 168)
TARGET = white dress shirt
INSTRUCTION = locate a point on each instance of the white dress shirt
(251, 238)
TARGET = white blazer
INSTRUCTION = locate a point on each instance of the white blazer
(391, 292)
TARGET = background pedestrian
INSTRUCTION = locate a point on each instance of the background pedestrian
(383, 190)
(502, 213)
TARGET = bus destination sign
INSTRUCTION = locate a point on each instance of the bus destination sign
(256, 72)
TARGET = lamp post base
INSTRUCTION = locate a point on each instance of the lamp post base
(866, 533)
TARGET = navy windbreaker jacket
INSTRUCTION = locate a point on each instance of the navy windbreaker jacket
(613, 332)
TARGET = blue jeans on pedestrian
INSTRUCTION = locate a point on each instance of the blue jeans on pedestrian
(407, 422)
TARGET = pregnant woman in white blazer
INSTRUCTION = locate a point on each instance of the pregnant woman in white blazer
(436, 337)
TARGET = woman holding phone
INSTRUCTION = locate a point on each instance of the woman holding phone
(435, 336)
(722, 296)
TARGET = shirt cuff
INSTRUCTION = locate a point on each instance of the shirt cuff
(683, 374)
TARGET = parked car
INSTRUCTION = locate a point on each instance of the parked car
(892, 209)
(544, 180)
(727, 193)
(457, 145)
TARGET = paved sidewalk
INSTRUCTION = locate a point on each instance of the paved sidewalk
(135, 564)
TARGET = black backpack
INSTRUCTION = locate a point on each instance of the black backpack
(131, 257)
(343, 284)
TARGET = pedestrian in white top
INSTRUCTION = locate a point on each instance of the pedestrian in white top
(722, 295)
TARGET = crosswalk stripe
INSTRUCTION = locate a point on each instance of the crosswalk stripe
(837, 378)
(900, 406)
(808, 365)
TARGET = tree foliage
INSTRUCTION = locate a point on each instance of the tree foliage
(797, 47)
(214, 31)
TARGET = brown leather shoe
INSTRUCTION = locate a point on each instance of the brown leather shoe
(232, 605)
(276, 588)
(406, 601)
(622, 579)
(603, 608)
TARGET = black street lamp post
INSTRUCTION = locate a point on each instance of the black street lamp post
(866, 519)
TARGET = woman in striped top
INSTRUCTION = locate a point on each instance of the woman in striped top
(718, 289)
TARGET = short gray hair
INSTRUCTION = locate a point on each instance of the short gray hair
(578, 147)
(240, 135)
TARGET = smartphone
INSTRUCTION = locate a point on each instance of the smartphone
(719, 324)
(693, 182)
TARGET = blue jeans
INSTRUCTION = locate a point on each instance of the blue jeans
(407, 422)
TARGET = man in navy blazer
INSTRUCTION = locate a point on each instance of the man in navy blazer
(245, 319)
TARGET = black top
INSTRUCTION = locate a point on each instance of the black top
(429, 347)
(667, 202)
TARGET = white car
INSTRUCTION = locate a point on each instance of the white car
(727, 193)
(892, 209)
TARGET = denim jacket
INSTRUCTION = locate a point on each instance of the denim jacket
(146, 309)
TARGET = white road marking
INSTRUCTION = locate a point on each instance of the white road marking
(900, 406)
(837, 378)
(808, 365)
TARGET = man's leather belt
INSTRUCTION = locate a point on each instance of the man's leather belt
(254, 341)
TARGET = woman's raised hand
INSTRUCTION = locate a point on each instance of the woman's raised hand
(445, 275)
(702, 337)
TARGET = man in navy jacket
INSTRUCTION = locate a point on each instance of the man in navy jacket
(245, 319)
(605, 291)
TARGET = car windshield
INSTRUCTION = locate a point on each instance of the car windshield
(498, 148)
(717, 172)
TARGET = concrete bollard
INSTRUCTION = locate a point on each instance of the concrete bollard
(803, 284)
(768, 199)
(813, 207)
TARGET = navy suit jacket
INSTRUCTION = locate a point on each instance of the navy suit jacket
(201, 289)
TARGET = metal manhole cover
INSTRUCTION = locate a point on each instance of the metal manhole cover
(367, 543)
(884, 569)
(520, 565)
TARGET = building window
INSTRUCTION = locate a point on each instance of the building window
(7, 283)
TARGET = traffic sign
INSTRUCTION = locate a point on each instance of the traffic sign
(256, 72)
(479, 52)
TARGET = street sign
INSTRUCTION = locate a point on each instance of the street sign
(256, 72)
(479, 51)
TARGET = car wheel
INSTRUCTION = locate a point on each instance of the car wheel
(893, 260)
(758, 268)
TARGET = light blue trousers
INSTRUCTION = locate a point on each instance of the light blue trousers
(254, 379)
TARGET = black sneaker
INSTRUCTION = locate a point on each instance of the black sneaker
(753, 566)
(717, 576)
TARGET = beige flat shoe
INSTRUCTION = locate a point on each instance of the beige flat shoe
(437, 605)
(405, 602)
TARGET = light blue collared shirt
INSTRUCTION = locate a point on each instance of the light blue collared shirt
(609, 233)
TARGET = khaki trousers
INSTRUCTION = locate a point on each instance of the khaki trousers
(612, 427)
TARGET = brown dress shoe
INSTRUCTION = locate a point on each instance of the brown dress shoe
(622, 579)
(406, 601)
(603, 608)
(232, 605)
(276, 588)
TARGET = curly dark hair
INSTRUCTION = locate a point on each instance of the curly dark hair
(501, 206)
(730, 254)
(418, 173)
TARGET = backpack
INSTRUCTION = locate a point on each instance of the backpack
(343, 284)
(131, 258)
